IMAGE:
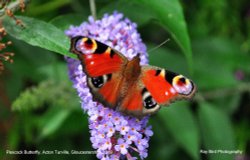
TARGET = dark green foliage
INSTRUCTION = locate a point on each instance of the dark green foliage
(39, 33)
(48, 92)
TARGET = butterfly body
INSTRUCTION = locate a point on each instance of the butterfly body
(125, 85)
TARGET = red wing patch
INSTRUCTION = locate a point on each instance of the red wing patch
(132, 102)
(110, 92)
(97, 58)
(100, 64)
(158, 87)
(166, 86)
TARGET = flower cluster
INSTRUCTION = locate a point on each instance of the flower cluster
(113, 134)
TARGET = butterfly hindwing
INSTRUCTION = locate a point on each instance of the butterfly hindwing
(131, 102)
(105, 89)
(103, 67)
(138, 101)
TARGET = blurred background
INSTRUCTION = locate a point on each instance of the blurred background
(39, 109)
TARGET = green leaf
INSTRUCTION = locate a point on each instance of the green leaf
(39, 33)
(166, 147)
(228, 104)
(55, 71)
(181, 124)
(76, 123)
(170, 15)
(46, 7)
(63, 22)
(41, 58)
(53, 121)
(132, 10)
(216, 61)
(217, 133)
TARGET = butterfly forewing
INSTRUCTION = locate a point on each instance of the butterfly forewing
(97, 58)
(103, 66)
(166, 86)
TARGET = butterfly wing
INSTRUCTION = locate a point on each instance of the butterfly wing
(153, 88)
(103, 66)
(115, 81)
(97, 58)
(163, 87)
(131, 98)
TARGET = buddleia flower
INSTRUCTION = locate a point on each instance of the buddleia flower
(113, 134)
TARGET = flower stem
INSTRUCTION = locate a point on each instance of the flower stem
(93, 8)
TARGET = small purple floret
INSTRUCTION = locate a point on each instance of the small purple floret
(113, 134)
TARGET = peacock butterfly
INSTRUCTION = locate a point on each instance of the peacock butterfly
(123, 84)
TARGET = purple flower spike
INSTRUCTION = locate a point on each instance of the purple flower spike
(113, 134)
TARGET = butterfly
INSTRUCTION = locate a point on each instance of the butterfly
(124, 85)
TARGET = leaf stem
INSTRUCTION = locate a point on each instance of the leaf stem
(93, 8)
(13, 6)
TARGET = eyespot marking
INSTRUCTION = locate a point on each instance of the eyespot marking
(85, 45)
(181, 81)
(182, 85)
(88, 41)
(148, 100)
(98, 82)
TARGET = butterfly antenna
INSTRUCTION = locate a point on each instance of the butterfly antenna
(158, 46)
